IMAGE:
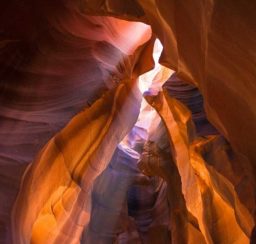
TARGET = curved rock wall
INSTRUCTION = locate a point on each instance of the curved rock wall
(53, 66)
(57, 61)
(208, 192)
(58, 184)
(210, 43)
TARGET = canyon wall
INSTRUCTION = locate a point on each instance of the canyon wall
(69, 96)
(210, 43)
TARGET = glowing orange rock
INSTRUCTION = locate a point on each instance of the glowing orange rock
(207, 194)
(57, 186)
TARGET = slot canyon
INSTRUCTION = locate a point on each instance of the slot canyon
(128, 122)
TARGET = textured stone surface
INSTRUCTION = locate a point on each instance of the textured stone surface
(190, 96)
(211, 44)
(60, 63)
(207, 192)
(56, 61)
(58, 184)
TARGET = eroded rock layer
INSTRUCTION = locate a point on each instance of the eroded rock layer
(189, 95)
(207, 192)
(69, 98)
(59, 64)
(210, 43)
(63, 174)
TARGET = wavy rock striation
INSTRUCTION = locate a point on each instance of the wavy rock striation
(207, 192)
(69, 96)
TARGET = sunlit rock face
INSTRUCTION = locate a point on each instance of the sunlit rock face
(87, 159)
(57, 63)
(64, 171)
(208, 192)
(211, 44)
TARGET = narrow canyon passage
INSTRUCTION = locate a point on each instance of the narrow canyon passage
(127, 122)
(147, 204)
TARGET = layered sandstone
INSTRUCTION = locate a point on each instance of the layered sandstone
(70, 95)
